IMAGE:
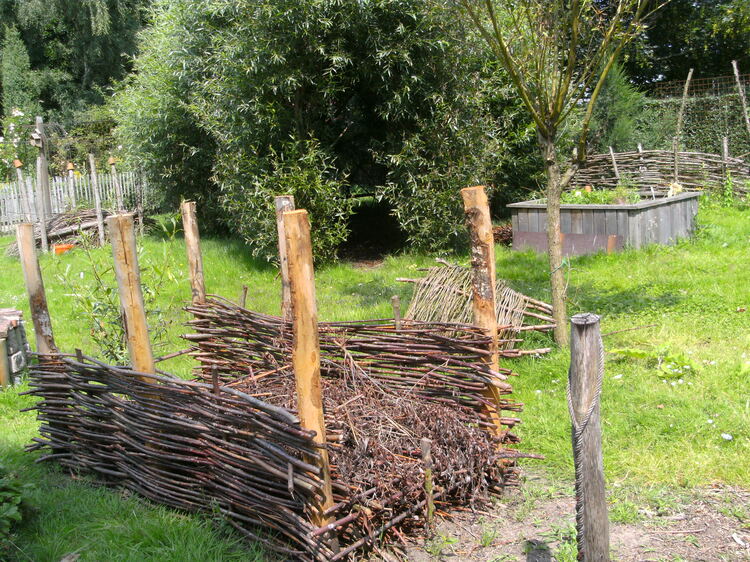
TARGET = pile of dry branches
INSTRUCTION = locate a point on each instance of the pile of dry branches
(66, 228)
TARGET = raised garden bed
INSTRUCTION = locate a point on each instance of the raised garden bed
(591, 228)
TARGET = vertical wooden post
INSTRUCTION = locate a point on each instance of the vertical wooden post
(676, 155)
(193, 246)
(741, 91)
(71, 185)
(284, 203)
(584, 384)
(681, 114)
(116, 183)
(614, 163)
(426, 447)
(97, 199)
(5, 379)
(32, 276)
(25, 203)
(396, 303)
(125, 254)
(725, 156)
(41, 207)
(477, 211)
(43, 168)
(306, 346)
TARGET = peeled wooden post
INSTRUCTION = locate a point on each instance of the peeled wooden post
(725, 156)
(681, 114)
(25, 203)
(97, 199)
(741, 92)
(306, 347)
(426, 448)
(193, 246)
(284, 203)
(116, 183)
(585, 384)
(125, 254)
(396, 303)
(43, 168)
(614, 163)
(4, 364)
(32, 276)
(41, 206)
(71, 185)
(675, 154)
(477, 211)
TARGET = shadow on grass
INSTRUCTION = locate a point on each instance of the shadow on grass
(644, 297)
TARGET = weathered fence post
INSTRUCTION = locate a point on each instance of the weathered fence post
(23, 194)
(741, 92)
(43, 167)
(32, 276)
(614, 163)
(396, 304)
(306, 346)
(194, 256)
(125, 254)
(71, 184)
(97, 198)
(725, 156)
(477, 212)
(425, 446)
(681, 114)
(676, 157)
(41, 207)
(284, 203)
(5, 378)
(116, 183)
(584, 389)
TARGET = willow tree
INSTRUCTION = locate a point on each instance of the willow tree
(558, 54)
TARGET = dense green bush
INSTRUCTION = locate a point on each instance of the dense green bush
(616, 113)
(236, 101)
(14, 505)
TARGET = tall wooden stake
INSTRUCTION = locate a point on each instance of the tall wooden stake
(741, 92)
(284, 203)
(125, 254)
(116, 183)
(41, 207)
(584, 384)
(725, 156)
(614, 163)
(676, 157)
(25, 203)
(193, 246)
(306, 345)
(43, 168)
(681, 114)
(477, 211)
(32, 276)
(97, 199)
(71, 185)
(426, 447)
(5, 379)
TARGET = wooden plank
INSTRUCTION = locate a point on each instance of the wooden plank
(576, 222)
(283, 204)
(523, 220)
(534, 220)
(565, 221)
(584, 385)
(125, 255)
(600, 222)
(32, 275)
(514, 220)
(542, 221)
(193, 248)
(610, 222)
(623, 229)
(306, 348)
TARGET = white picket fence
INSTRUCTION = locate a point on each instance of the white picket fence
(19, 203)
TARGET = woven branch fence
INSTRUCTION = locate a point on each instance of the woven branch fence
(659, 168)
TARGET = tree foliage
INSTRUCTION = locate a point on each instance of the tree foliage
(234, 101)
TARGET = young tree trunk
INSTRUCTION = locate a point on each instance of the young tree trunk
(555, 185)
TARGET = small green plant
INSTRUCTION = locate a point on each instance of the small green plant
(14, 504)
(727, 197)
(439, 544)
(625, 192)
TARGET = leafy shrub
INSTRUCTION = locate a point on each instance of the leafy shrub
(14, 504)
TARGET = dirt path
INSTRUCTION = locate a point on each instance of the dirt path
(537, 523)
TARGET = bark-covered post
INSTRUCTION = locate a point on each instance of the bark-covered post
(97, 198)
(676, 158)
(477, 212)
(125, 254)
(284, 203)
(584, 386)
(32, 276)
(306, 346)
(193, 246)
(116, 182)
(425, 446)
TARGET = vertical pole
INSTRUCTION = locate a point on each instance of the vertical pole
(97, 199)
(741, 91)
(43, 168)
(284, 203)
(725, 156)
(32, 276)
(676, 153)
(125, 254)
(193, 246)
(306, 346)
(41, 207)
(25, 204)
(71, 185)
(426, 447)
(614, 163)
(4, 364)
(116, 183)
(396, 303)
(584, 390)
(477, 212)
(681, 114)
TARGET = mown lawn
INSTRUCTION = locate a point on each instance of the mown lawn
(675, 405)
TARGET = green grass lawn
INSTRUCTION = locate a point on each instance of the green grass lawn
(670, 392)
